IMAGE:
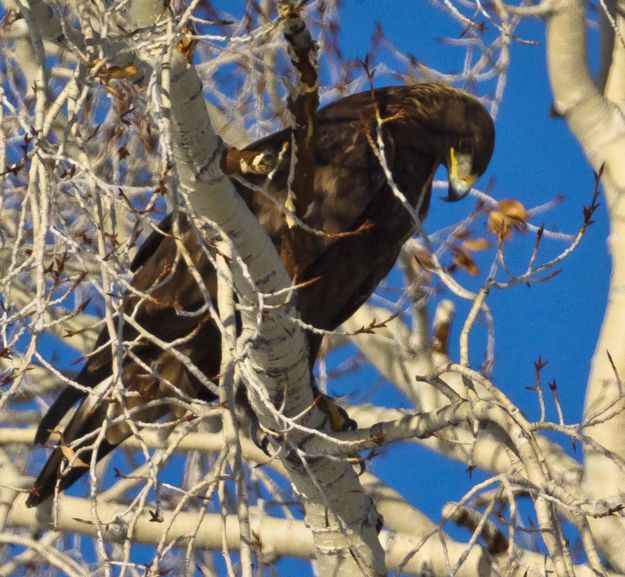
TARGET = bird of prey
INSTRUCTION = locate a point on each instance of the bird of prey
(422, 127)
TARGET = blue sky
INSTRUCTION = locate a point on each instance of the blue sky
(536, 159)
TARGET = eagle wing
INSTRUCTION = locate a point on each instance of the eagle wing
(351, 195)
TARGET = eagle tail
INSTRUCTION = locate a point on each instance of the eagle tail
(87, 419)
(63, 403)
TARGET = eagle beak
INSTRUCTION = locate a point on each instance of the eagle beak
(460, 178)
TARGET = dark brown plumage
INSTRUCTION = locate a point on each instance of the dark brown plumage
(425, 125)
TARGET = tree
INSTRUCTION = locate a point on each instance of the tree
(105, 126)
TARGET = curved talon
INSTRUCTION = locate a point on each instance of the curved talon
(362, 467)
(259, 438)
(339, 419)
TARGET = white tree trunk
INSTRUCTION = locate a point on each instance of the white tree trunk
(599, 126)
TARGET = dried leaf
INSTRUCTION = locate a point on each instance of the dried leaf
(186, 46)
(498, 224)
(476, 244)
(465, 262)
(513, 209)
(462, 234)
(121, 71)
(424, 259)
(510, 214)
(70, 455)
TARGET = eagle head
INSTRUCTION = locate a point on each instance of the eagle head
(469, 144)
(451, 126)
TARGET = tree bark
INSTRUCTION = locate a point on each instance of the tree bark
(599, 127)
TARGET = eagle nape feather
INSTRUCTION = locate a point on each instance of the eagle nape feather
(425, 125)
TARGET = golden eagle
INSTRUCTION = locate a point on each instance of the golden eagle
(422, 126)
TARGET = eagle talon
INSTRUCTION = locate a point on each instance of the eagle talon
(339, 419)
(259, 438)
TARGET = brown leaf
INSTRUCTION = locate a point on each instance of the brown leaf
(121, 71)
(465, 262)
(70, 455)
(476, 244)
(462, 234)
(510, 214)
(498, 224)
(422, 265)
(513, 209)
(186, 46)
(424, 259)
